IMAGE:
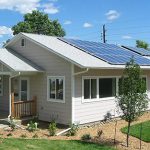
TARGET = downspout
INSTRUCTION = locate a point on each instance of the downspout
(10, 77)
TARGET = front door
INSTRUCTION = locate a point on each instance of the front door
(24, 89)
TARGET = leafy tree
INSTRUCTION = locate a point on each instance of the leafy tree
(38, 22)
(132, 98)
(141, 44)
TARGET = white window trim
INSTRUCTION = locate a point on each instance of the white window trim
(28, 87)
(106, 98)
(48, 87)
(98, 99)
(2, 86)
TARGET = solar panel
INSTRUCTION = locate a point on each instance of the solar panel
(141, 51)
(110, 53)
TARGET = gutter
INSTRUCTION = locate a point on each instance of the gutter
(81, 72)
(10, 92)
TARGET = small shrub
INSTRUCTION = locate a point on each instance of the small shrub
(12, 124)
(52, 128)
(9, 134)
(32, 126)
(35, 135)
(86, 137)
(99, 133)
(23, 135)
(73, 130)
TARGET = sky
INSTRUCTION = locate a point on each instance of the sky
(125, 20)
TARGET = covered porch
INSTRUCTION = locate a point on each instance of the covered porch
(15, 75)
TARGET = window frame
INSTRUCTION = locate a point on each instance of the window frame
(2, 83)
(97, 79)
(48, 89)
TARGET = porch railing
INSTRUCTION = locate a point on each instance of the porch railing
(21, 109)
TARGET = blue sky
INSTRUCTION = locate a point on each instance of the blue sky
(125, 20)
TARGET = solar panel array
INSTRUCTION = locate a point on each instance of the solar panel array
(110, 53)
(141, 51)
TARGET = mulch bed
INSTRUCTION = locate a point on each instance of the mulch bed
(106, 138)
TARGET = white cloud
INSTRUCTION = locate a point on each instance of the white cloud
(67, 22)
(126, 37)
(50, 8)
(112, 15)
(26, 6)
(5, 31)
(87, 25)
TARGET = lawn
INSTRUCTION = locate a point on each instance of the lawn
(135, 131)
(25, 144)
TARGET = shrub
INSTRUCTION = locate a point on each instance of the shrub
(86, 137)
(35, 135)
(9, 134)
(52, 128)
(32, 126)
(73, 130)
(23, 135)
(99, 133)
(12, 124)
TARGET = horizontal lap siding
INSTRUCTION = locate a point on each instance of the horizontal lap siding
(95, 111)
(53, 66)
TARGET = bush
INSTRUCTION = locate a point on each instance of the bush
(35, 135)
(52, 128)
(23, 135)
(73, 130)
(32, 126)
(9, 134)
(99, 133)
(86, 137)
(12, 124)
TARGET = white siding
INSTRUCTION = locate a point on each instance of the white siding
(53, 66)
(95, 111)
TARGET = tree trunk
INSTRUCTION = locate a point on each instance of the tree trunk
(128, 132)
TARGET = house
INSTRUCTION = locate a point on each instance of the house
(63, 79)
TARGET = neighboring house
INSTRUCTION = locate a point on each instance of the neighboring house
(73, 80)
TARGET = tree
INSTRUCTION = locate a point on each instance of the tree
(141, 44)
(132, 98)
(39, 23)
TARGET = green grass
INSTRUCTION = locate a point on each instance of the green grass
(33, 144)
(135, 131)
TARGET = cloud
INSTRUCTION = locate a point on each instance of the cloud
(112, 15)
(5, 31)
(126, 37)
(50, 8)
(67, 22)
(87, 25)
(27, 6)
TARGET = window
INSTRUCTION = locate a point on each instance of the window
(90, 88)
(56, 89)
(1, 85)
(24, 89)
(107, 87)
(97, 88)
(22, 42)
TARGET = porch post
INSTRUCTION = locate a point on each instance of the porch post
(10, 103)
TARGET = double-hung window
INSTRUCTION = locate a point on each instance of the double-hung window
(1, 85)
(56, 89)
(96, 88)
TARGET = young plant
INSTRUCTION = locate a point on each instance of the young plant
(86, 137)
(32, 126)
(35, 135)
(73, 130)
(132, 98)
(23, 135)
(99, 133)
(52, 128)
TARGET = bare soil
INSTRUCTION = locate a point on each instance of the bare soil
(107, 137)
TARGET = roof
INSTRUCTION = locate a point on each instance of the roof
(15, 62)
(69, 52)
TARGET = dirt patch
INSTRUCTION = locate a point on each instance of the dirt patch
(106, 138)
